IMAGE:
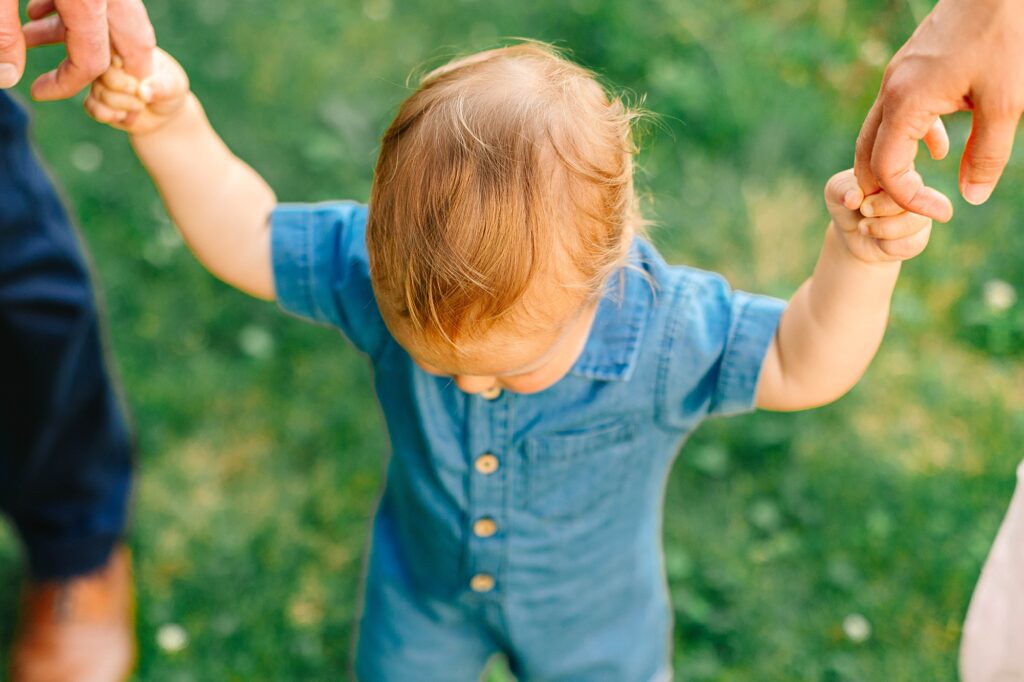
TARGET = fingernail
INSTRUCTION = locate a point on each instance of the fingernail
(8, 75)
(977, 193)
(863, 226)
(867, 209)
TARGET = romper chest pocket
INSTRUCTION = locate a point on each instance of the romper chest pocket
(575, 473)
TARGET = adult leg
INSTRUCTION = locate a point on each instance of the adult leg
(65, 454)
(992, 648)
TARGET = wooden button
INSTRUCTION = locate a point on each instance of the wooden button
(486, 464)
(481, 582)
(485, 527)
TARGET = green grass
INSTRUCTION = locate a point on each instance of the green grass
(260, 450)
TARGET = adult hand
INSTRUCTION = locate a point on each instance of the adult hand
(965, 55)
(89, 28)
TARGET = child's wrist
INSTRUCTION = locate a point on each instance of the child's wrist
(843, 247)
(840, 249)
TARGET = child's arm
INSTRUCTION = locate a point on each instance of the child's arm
(219, 203)
(835, 322)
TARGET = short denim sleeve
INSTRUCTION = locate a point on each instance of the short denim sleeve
(321, 269)
(715, 343)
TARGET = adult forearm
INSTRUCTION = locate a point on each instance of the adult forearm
(833, 326)
(220, 204)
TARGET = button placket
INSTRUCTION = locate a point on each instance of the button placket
(488, 481)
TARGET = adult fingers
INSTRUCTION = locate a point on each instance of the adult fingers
(88, 46)
(893, 227)
(892, 162)
(880, 204)
(865, 146)
(132, 35)
(12, 44)
(37, 9)
(937, 140)
(987, 151)
(46, 31)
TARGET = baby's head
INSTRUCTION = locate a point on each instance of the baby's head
(502, 201)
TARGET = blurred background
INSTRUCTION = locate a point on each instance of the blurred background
(836, 544)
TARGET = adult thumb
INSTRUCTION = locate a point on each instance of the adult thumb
(12, 45)
(986, 155)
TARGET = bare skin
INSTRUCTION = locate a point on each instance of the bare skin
(965, 56)
(827, 336)
(90, 29)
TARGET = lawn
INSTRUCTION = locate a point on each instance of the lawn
(839, 544)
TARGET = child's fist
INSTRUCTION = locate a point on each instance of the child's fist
(122, 101)
(874, 229)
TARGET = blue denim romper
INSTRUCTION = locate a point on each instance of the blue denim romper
(529, 524)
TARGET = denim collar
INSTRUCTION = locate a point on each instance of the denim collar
(613, 345)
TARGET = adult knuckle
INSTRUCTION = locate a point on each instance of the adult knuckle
(988, 164)
(893, 178)
(1001, 105)
(896, 88)
(10, 37)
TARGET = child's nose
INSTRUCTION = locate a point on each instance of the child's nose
(474, 384)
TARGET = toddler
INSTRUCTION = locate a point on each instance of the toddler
(538, 363)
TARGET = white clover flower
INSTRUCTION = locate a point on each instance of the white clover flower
(256, 342)
(171, 638)
(999, 296)
(857, 628)
(86, 157)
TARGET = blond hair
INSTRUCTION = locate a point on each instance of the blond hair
(501, 166)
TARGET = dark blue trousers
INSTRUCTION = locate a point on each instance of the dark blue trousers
(66, 459)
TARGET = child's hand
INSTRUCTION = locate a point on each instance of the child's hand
(122, 101)
(874, 229)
